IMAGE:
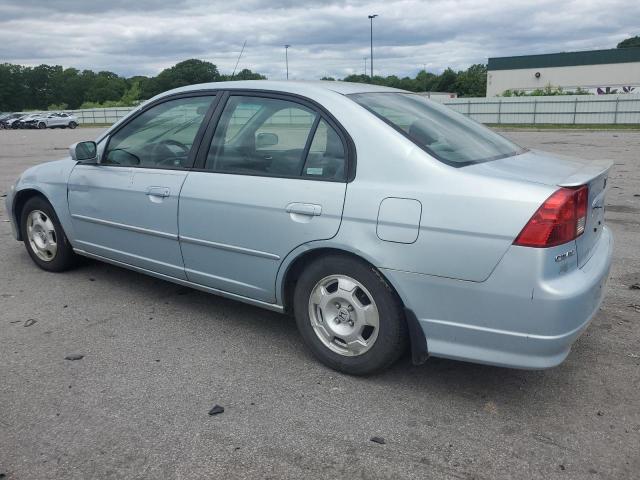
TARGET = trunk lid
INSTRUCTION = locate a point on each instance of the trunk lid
(560, 171)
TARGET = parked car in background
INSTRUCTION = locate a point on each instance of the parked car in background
(30, 121)
(10, 120)
(3, 117)
(378, 218)
(57, 120)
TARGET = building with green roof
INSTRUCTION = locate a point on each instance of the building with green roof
(615, 70)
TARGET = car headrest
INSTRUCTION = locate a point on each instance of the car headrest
(421, 134)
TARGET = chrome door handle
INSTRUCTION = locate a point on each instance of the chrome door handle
(309, 209)
(158, 191)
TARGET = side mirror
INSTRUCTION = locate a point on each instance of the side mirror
(84, 152)
(266, 140)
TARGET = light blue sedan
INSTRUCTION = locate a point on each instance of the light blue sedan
(380, 219)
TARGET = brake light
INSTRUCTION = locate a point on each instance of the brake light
(560, 219)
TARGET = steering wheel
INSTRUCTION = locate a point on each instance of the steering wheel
(161, 149)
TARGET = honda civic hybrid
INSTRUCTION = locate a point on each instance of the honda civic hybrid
(382, 221)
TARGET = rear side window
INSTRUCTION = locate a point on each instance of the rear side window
(326, 158)
(447, 135)
(275, 137)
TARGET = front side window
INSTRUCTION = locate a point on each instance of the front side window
(447, 135)
(160, 137)
(275, 137)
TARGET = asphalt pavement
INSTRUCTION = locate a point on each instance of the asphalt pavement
(157, 357)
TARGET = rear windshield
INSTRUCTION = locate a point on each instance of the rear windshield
(447, 135)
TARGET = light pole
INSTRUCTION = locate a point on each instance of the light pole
(286, 58)
(365, 66)
(371, 17)
(425, 77)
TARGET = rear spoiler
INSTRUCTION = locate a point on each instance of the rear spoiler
(587, 173)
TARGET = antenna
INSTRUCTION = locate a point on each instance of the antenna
(238, 61)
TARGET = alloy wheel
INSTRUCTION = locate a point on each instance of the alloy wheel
(344, 315)
(42, 235)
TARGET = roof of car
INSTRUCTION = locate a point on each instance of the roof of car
(290, 86)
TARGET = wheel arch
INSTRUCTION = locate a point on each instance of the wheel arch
(418, 341)
(19, 200)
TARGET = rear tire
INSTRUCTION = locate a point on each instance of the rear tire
(349, 316)
(42, 125)
(44, 237)
(73, 125)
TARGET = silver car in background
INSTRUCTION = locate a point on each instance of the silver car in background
(57, 120)
(380, 219)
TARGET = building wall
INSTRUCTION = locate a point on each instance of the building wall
(591, 77)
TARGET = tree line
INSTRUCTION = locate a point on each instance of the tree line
(54, 87)
(471, 82)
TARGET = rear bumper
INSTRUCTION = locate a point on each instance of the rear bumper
(526, 315)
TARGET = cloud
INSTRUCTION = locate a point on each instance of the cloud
(326, 37)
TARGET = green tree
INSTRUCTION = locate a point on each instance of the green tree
(425, 81)
(132, 94)
(630, 42)
(244, 74)
(472, 82)
(185, 73)
(446, 81)
(13, 90)
(106, 86)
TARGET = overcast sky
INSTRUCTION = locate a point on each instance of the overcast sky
(132, 37)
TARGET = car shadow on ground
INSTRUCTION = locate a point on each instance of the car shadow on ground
(437, 376)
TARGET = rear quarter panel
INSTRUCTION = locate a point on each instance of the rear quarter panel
(468, 221)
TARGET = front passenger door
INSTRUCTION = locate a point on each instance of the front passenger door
(125, 208)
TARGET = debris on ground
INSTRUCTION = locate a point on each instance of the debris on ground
(379, 440)
(635, 286)
(217, 409)
(30, 322)
(74, 356)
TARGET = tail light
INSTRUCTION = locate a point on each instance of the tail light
(560, 219)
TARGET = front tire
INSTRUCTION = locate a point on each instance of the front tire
(349, 316)
(44, 237)
(73, 125)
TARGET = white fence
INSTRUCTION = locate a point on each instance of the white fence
(94, 116)
(570, 109)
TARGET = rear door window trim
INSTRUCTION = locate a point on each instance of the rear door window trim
(321, 114)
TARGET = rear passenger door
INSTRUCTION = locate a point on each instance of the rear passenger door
(271, 176)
